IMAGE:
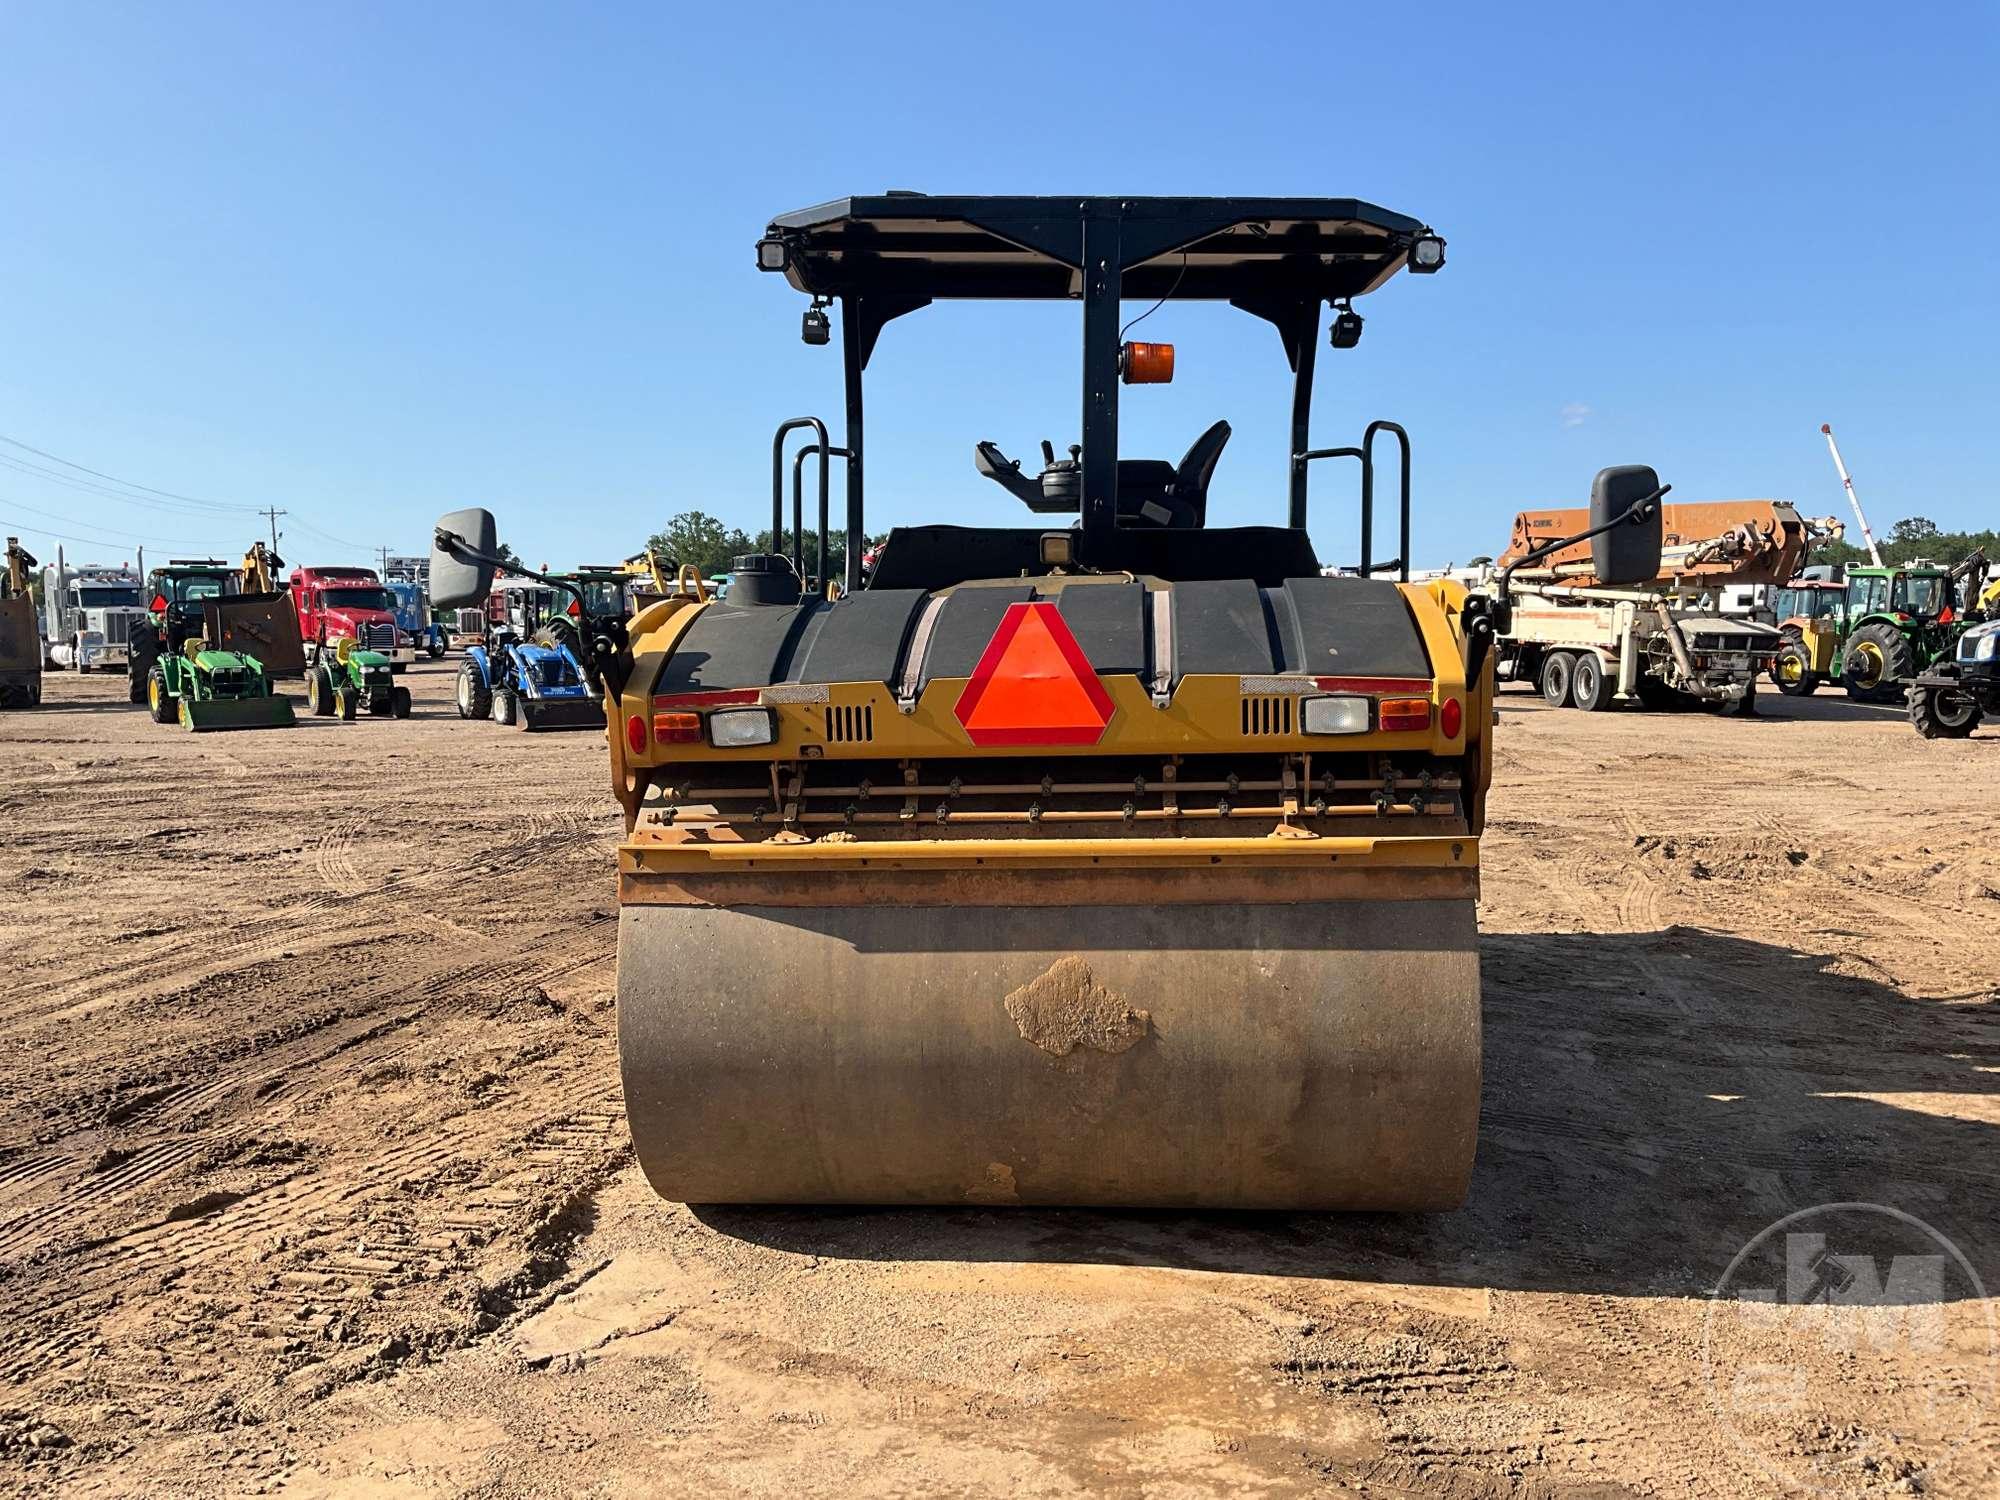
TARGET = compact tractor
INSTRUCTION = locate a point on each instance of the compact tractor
(528, 671)
(20, 635)
(216, 639)
(1122, 857)
(344, 679)
(1893, 623)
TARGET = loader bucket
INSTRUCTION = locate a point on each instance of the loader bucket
(1318, 1055)
(560, 713)
(204, 714)
(20, 643)
(264, 626)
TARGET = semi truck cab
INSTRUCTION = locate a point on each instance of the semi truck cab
(89, 614)
(333, 603)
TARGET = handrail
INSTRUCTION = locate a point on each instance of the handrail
(785, 428)
(1366, 454)
(798, 507)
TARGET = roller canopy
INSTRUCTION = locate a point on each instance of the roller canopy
(921, 248)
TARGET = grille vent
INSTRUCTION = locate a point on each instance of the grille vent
(1267, 713)
(850, 724)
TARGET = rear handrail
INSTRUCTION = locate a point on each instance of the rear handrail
(1366, 454)
(798, 508)
(690, 571)
(786, 428)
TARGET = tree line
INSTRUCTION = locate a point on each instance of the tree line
(1911, 539)
(695, 536)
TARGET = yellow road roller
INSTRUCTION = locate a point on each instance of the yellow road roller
(1125, 857)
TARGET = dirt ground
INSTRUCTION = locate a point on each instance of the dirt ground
(314, 1181)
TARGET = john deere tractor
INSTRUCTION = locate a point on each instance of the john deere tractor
(212, 649)
(1889, 625)
(346, 679)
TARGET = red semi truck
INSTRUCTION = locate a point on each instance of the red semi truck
(336, 602)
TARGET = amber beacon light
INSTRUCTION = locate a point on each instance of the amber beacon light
(1146, 364)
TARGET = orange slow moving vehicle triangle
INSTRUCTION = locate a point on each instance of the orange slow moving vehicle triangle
(1034, 685)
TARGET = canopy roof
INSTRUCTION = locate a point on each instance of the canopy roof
(912, 246)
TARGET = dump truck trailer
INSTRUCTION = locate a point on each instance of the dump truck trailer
(1111, 858)
(1669, 641)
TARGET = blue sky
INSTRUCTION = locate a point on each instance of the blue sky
(369, 263)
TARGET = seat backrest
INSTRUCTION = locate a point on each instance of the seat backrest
(1197, 466)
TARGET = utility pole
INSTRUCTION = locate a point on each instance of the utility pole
(1874, 552)
(273, 513)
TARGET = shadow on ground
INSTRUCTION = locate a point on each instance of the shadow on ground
(1652, 1102)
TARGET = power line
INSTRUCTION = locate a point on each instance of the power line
(329, 536)
(91, 487)
(84, 541)
(114, 479)
(116, 536)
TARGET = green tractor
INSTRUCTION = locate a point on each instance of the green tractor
(347, 679)
(1885, 628)
(211, 651)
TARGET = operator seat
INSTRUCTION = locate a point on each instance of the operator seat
(1153, 492)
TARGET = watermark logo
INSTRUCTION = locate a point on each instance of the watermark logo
(1850, 1348)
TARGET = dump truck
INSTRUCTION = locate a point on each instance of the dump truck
(1665, 643)
(20, 634)
(215, 648)
(89, 612)
(343, 603)
(1118, 857)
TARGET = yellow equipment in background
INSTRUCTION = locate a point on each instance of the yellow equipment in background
(20, 636)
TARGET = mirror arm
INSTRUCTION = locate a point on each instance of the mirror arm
(1641, 511)
(1503, 603)
(603, 646)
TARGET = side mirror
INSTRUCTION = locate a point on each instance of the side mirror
(1629, 552)
(458, 576)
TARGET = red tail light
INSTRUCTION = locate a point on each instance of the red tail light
(1451, 718)
(635, 733)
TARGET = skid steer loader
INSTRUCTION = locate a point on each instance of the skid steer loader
(1121, 858)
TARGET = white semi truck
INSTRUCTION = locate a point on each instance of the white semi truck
(89, 614)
